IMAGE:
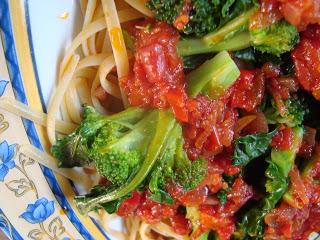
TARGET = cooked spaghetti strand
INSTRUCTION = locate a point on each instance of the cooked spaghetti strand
(58, 97)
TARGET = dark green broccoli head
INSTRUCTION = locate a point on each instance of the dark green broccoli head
(73, 150)
(165, 10)
(276, 39)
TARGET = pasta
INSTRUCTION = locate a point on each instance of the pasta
(50, 162)
(103, 62)
(164, 161)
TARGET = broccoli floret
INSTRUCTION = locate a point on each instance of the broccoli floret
(132, 149)
(293, 116)
(149, 139)
(275, 39)
(165, 10)
(205, 15)
(188, 173)
(74, 150)
(175, 166)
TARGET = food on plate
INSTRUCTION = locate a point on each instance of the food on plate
(200, 118)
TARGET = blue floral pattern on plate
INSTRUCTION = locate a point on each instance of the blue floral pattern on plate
(6, 162)
(38, 211)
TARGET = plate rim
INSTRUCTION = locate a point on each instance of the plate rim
(16, 16)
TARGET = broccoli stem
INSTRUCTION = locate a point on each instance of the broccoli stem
(130, 115)
(220, 40)
(284, 159)
(239, 23)
(187, 47)
(306, 172)
(213, 77)
(165, 124)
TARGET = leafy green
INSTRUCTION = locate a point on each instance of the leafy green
(205, 16)
(213, 77)
(250, 147)
(280, 163)
(222, 196)
(188, 173)
(294, 116)
(175, 166)
(73, 150)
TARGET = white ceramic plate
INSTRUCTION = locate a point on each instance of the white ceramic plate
(35, 203)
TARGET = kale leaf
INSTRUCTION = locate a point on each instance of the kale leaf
(250, 147)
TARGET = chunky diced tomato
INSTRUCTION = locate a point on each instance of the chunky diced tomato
(193, 197)
(152, 212)
(157, 66)
(308, 142)
(177, 99)
(221, 225)
(286, 222)
(300, 12)
(180, 224)
(248, 91)
(267, 14)
(210, 126)
(282, 140)
(240, 193)
(306, 57)
(130, 205)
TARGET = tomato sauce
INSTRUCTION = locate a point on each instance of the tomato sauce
(300, 13)
(248, 90)
(153, 212)
(157, 80)
(157, 67)
(297, 217)
(210, 126)
(286, 222)
(306, 57)
(283, 139)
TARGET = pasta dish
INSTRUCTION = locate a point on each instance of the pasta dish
(191, 119)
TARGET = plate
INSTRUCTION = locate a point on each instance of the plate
(35, 202)
(38, 203)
